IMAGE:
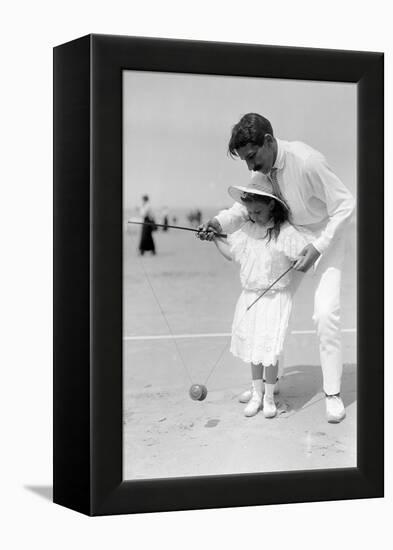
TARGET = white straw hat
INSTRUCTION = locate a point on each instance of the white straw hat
(257, 186)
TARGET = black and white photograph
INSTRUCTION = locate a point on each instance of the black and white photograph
(196, 268)
(239, 275)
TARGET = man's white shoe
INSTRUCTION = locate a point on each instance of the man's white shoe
(254, 404)
(246, 395)
(335, 410)
(269, 407)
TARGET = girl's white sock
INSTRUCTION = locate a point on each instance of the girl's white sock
(257, 386)
(269, 390)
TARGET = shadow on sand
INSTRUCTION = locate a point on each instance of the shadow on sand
(301, 386)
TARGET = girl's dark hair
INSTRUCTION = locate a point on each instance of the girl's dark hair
(251, 128)
(280, 213)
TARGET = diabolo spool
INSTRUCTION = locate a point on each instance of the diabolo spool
(198, 392)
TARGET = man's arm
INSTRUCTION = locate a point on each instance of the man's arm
(232, 218)
(226, 221)
(327, 187)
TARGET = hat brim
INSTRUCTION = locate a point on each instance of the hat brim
(236, 191)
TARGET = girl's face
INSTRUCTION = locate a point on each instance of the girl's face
(260, 212)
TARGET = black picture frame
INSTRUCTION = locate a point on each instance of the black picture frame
(88, 274)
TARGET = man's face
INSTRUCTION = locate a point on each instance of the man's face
(259, 158)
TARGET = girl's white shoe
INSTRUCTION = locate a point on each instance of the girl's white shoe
(269, 407)
(254, 404)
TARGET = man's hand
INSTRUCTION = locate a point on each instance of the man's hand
(207, 230)
(307, 258)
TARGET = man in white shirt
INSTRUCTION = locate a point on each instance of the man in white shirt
(320, 202)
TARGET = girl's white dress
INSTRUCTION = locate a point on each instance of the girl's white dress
(258, 334)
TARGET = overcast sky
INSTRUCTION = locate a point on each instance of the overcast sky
(177, 126)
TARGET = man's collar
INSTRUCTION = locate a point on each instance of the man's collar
(280, 158)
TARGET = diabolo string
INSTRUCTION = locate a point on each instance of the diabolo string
(141, 263)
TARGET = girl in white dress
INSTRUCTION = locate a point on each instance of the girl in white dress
(265, 247)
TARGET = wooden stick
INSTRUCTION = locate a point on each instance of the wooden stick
(176, 227)
(267, 289)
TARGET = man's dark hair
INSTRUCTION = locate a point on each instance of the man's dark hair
(251, 128)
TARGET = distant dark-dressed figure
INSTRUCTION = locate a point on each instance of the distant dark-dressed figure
(146, 244)
(165, 219)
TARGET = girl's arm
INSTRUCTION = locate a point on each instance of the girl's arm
(223, 247)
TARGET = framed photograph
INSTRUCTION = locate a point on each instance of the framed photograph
(182, 380)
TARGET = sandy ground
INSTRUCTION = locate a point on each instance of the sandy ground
(189, 290)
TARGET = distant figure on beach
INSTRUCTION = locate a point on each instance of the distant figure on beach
(195, 217)
(265, 247)
(318, 201)
(146, 243)
(165, 218)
